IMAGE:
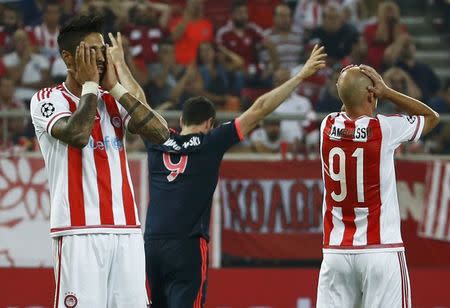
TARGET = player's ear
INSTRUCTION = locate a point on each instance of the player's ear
(181, 121)
(68, 58)
(210, 123)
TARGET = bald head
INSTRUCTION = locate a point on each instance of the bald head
(352, 87)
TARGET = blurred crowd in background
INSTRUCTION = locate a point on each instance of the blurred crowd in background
(230, 52)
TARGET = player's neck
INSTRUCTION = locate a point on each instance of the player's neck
(356, 113)
(192, 129)
(73, 86)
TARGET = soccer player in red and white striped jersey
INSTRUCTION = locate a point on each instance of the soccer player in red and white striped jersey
(98, 246)
(364, 262)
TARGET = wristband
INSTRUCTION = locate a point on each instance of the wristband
(89, 87)
(118, 91)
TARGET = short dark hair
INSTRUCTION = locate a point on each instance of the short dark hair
(50, 3)
(197, 110)
(72, 33)
(237, 4)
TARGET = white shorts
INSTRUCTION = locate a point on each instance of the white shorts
(375, 280)
(99, 270)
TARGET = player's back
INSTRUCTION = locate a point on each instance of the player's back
(183, 176)
(360, 205)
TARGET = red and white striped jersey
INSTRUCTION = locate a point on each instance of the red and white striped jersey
(360, 206)
(90, 188)
(47, 42)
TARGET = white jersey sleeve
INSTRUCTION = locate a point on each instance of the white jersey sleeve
(123, 114)
(46, 108)
(401, 128)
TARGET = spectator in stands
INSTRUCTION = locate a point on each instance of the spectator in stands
(189, 31)
(15, 127)
(398, 80)
(302, 133)
(267, 138)
(441, 103)
(386, 36)
(261, 12)
(216, 85)
(246, 39)
(289, 44)
(358, 53)
(335, 33)
(234, 65)
(308, 15)
(164, 77)
(9, 23)
(29, 70)
(360, 12)
(329, 100)
(189, 85)
(147, 29)
(422, 74)
(31, 11)
(312, 87)
(47, 33)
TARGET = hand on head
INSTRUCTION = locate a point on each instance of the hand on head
(110, 78)
(85, 65)
(117, 53)
(379, 87)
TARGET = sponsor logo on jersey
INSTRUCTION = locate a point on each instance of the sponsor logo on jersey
(107, 142)
(411, 119)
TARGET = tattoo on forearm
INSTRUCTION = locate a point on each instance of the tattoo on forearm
(76, 129)
(134, 107)
(143, 120)
(146, 119)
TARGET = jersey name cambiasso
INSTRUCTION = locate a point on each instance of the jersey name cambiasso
(360, 206)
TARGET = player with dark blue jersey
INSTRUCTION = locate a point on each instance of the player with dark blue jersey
(183, 176)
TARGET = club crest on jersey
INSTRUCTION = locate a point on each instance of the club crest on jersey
(116, 121)
(47, 109)
(70, 301)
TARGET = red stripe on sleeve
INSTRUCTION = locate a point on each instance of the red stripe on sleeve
(127, 196)
(75, 180)
(103, 175)
(58, 281)
(237, 124)
(417, 129)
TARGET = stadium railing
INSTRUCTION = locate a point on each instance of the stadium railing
(11, 115)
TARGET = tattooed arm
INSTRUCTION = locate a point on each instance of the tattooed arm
(123, 71)
(76, 129)
(143, 120)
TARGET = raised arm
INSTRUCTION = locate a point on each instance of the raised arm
(123, 71)
(408, 104)
(268, 102)
(76, 129)
(143, 119)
